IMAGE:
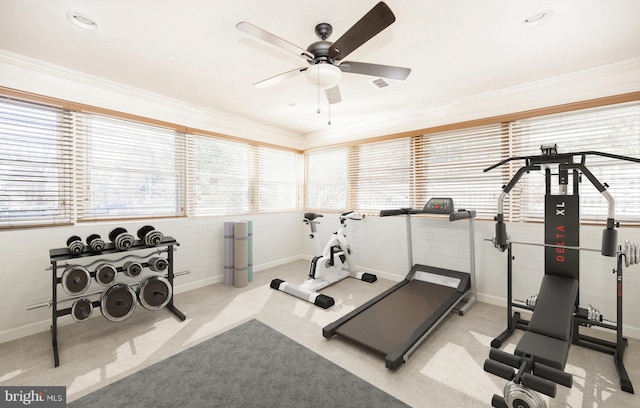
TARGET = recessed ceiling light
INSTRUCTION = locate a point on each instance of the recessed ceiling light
(537, 18)
(291, 102)
(82, 21)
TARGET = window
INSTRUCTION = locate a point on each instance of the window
(367, 177)
(35, 164)
(326, 180)
(277, 179)
(408, 171)
(235, 178)
(381, 174)
(59, 166)
(128, 169)
(611, 129)
(451, 164)
(222, 177)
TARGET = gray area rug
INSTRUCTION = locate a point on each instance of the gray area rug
(251, 365)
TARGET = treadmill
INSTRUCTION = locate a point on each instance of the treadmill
(395, 322)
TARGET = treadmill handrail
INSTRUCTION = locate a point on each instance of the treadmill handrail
(459, 215)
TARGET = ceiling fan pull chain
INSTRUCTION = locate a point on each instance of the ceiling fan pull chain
(318, 111)
(329, 93)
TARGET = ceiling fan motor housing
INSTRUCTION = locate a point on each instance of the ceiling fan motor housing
(320, 49)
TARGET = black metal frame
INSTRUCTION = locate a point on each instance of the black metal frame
(514, 319)
(58, 256)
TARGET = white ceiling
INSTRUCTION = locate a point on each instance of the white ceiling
(191, 51)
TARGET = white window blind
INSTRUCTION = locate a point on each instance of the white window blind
(612, 129)
(380, 175)
(450, 164)
(35, 164)
(326, 180)
(278, 179)
(222, 176)
(128, 170)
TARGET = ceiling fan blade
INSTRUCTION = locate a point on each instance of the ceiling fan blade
(376, 20)
(279, 78)
(384, 71)
(273, 39)
(333, 94)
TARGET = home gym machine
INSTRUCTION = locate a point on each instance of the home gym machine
(541, 354)
(397, 321)
(332, 265)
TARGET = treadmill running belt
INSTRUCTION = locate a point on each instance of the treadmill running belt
(390, 321)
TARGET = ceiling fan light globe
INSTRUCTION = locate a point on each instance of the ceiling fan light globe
(324, 75)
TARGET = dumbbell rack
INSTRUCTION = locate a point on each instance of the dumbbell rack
(58, 258)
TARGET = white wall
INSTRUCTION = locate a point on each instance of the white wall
(24, 256)
(379, 246)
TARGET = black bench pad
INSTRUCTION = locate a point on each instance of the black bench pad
(553, 313)
(544, 349)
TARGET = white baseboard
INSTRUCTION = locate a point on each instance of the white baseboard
(273, 264)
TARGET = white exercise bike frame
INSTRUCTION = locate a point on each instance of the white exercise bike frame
(332, 265)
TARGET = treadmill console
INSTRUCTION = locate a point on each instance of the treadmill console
(439, 206)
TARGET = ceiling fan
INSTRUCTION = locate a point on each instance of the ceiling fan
(325, 58)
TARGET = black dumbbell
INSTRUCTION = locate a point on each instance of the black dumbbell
(150, 235)
(75, 245)
(121, 238)
(95, 243)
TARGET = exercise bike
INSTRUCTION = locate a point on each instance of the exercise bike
(332, 265)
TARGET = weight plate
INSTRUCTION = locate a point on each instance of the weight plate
(115, 232)
(158, 264)
(81, 310)
(143, 231)
(75, 245)
(153, 238)
(118, 302)
(518, 396)
(106, 274)
(95, 243)
(132, 269)
(124, 241)
(75, 279)
(154, 292)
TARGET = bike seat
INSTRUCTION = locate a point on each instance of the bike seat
(312, 216)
